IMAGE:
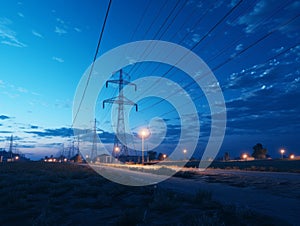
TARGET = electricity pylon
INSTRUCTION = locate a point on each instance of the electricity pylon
(120, 145)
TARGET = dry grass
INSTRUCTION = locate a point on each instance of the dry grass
(38, 193)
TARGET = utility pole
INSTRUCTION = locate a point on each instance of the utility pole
(94, 147)
(120, 147)
(11, 144)
(78, 145)
(11, 147)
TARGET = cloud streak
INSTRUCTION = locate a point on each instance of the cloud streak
(58, 59)
(37, 34)
(256, 19)
(60, 31)
(60, 132)
(8, 36)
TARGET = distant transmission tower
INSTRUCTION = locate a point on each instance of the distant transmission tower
(120, 145)
(94, 147)
(11, 143)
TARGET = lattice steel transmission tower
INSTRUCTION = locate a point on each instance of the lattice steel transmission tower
(120, 145)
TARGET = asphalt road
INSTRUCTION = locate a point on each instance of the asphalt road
(250, 197)
(261, 191)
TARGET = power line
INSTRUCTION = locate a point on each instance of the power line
(92, 66)
(141, 19)
(232, 57)
(239, 39)
(156, 17)
(224, 88)
(203, 38)
(156, 34)
(193, 26)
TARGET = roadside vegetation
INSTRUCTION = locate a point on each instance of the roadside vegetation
(37, 193)
(279, 165)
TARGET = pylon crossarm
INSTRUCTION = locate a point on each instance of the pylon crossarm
(121, 81)
(130, 83)
(112, 81)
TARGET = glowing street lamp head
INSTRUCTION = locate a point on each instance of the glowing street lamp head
(117, 149)
(144, 133)
(292, 156)
(184, 151)
(282, 151)
(245, 156)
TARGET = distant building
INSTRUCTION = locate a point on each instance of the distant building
(7, 156)
(104, 158)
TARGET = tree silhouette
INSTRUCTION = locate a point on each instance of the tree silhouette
(259, 152)
(152, 155)
(160, 157)
(226, 156)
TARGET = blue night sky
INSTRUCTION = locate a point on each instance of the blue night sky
(254, 52)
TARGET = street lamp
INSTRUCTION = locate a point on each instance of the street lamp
(116, 150)
(245, 156)
(282, 152)
(164, 156)
(184, 152)
(292, 156)
(143, 133)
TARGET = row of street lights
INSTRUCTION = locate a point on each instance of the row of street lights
(282, 151)
(145, 133)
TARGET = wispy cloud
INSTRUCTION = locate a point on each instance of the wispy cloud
(60, 20)
(8, 36)
(256, 19)
(61, 28)
(60, 132)
(60, 31)
(77, 29)
(22, 90)
(63, 104)
(58, 59)
(12, 90)
(15, 44)
(37, 34)
(239, 47)
(20, 14)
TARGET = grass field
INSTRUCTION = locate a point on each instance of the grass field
(274, 165)
(261, 165)
(37, 193)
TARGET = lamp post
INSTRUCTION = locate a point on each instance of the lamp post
(184, 152)
(245, 156)
(116, 149)
(144, 133)
(282, 152)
